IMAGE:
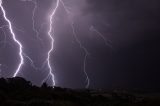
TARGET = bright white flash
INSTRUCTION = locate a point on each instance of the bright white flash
(15, 40)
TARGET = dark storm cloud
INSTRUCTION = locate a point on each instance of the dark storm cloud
(131, 25)
(126, 19)
(134, 27)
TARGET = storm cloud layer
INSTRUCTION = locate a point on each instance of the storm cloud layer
(132, 27)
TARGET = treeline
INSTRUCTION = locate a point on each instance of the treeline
(19, 92)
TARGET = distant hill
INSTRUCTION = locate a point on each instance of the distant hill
(19, 92)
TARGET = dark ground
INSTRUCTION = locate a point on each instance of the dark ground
(19, 92)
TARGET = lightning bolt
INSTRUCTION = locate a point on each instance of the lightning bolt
(107, 42)
(35, 30)
(33, 64)
(5, 36)
(85, 57)
(33, 15)
(4, 41)
(31, 61)
(86, 53)
(51, 19)
(50, 35)
(33, 19)
(15, 40)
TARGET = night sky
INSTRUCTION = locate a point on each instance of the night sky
(132, 27)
